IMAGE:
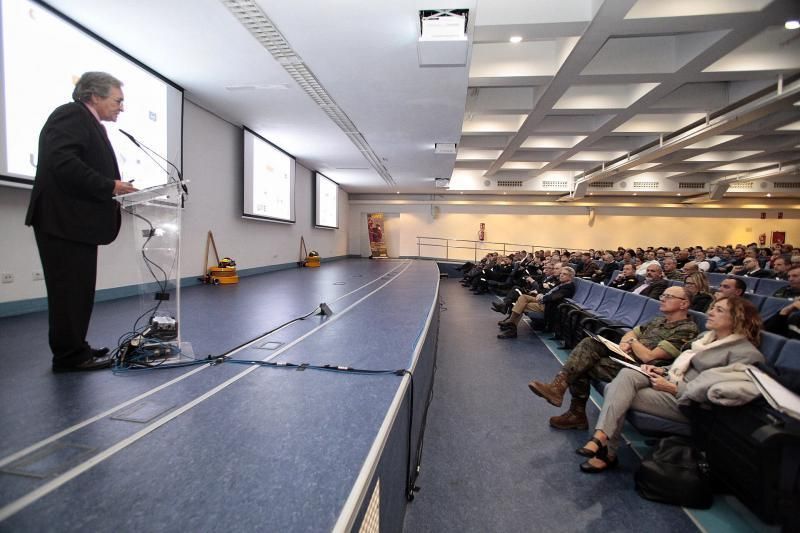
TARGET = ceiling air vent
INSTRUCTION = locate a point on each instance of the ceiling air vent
(601, 184)
(786, 185)
(560, 185)
(741, 186)
(691, 185)
(646, 185)
(509, 183)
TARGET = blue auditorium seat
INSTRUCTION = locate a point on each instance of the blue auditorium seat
(611, 303)
(767, 286)
(771, 346)
(750, 282)
(699, 319)
(582, 289)
(789, 356)
(629, 312)
(715, 278)
(770, 306)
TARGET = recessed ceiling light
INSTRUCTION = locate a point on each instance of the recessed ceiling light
(792, 24)
(398, 192)
(517, 39)
(505, 192)
(678, 194)
(769, 195)
(634, 194)
(462, 192)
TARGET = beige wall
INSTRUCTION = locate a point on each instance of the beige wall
(570, 227)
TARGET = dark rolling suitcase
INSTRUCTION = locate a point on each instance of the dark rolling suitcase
(754, 453)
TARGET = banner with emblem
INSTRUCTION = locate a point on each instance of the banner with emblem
(377, 245)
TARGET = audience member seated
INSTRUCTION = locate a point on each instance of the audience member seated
(734, 331)
(700, 258)
(538, 303)
(752, 269)
(527, 285)
(730, 287)
(690, 268)
(654, 283)
(608, 269)
(696, 286)
(657, 342)
(626, 280)
(650, 259)
(670, 268)
(725, 259)
(792, 290)
(780, 267)
(787, 321)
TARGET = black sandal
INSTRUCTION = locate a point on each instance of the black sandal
(586, 452)
(601, 454)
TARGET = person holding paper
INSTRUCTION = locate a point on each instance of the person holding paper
(734, 331)
(658, 341)
(72, 211)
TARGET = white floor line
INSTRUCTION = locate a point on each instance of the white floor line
(108, 412)
(20, 503)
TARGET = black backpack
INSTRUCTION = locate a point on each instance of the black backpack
(676, 474)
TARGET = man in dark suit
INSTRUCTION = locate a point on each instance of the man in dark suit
(538, 303)
(654, 283)
(72, 211)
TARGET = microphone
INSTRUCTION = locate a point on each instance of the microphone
(149, 152)
(131, 137)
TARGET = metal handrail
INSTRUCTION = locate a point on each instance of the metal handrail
(475, 245)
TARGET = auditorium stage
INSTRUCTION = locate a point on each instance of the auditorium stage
(233, 447)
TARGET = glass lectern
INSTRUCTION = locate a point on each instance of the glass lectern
(155, 215)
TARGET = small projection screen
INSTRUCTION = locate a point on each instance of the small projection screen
(44, 53)
(326, 202)
(268, 180)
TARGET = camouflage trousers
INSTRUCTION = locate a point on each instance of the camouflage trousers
(588, 360)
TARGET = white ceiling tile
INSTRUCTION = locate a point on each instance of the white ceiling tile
(692, 8)
(603, 96)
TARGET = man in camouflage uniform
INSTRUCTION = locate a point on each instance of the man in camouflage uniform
(656, 342)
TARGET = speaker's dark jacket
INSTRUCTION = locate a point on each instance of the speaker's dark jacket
(72, 194)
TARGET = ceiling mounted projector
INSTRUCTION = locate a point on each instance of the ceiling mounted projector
(443, 37)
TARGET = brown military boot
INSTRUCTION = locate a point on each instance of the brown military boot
(512, 319)
(575, 418)
(552, 392)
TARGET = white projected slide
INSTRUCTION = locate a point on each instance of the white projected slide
(43, 57)
(269, 177)
(326, 202)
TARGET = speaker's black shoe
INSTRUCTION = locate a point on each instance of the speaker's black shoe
(95, 362)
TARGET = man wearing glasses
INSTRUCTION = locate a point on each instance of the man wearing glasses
(656, 342)
(72, 211)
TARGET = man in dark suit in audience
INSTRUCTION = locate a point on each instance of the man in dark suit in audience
(654, 283)
(626, 280)
(539, 303)
(753, 270)
(72, 211)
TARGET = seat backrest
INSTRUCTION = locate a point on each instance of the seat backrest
(630, 309)
(767, 286)
(611, 302)
(699, 319)
(770, 306)
(789, 357)
(749, 281)
(715, 278)
(651, 309)
(771, 345)
(595, 297)
(755, 299)
(582, 289)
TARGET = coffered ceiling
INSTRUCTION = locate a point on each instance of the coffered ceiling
(670, 98)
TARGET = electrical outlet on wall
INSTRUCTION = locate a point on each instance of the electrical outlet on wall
(7, 277)
(37, 275)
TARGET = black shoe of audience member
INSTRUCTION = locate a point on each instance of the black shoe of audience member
(510, 333)
(99, 360)
(499, 307)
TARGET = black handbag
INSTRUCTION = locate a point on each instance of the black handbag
(676, 474)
